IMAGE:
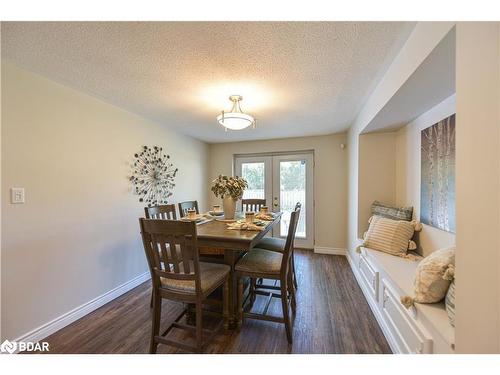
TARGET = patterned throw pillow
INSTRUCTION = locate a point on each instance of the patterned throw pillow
(433, 277)
(450, 303)
(394, 213)
(389, 236)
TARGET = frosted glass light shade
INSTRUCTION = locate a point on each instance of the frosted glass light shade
(235, 120)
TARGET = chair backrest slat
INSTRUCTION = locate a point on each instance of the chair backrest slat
(184, 206)
(185, 255)
(252, 204)
(157, 242)
(165, 212)
(292, 228)
(173, 255)
(165, 237)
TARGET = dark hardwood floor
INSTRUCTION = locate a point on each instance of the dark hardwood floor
(332, 317)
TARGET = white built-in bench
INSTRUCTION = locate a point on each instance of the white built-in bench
(384, 279)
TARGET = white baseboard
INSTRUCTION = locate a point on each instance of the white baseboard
(62, 321)
(373, 306)
(330, 250)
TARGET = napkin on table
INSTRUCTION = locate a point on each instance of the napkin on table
(244, 226)
(265, 216)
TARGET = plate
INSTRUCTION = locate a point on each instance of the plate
(258, 223)
(226, 220)
(197, 218)
(216, 213)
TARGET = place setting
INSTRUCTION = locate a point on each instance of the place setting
(191, 215)
(253, 221)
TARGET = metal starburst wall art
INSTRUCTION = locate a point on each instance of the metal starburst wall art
(153, 176)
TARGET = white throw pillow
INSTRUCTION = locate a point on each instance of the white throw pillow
(433, 276)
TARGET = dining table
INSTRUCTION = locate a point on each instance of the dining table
(233, 244)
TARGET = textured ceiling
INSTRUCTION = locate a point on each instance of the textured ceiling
(296, 78)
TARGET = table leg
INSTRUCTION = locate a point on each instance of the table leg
(230, 257)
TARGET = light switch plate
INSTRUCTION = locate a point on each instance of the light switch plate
(16, 195)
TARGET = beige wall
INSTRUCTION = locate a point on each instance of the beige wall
(329, 178)
(477, 188)
(77, 235)
(408, 173)
(377, 174)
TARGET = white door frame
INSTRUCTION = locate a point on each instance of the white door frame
(308, 241)
(271, 161)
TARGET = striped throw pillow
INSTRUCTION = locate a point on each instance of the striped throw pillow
(390, 212)
(389, 236)
(450, 303)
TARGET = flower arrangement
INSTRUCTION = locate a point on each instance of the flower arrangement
(224, 186)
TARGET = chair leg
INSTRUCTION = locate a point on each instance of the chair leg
(155, 327)
(225, 304)
(284, 304)
(291, 289)
(240, 302)
(294, 274)
(199, 327)
(253, 283)
(190, 314)
(151, 302)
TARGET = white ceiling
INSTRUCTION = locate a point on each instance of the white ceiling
(296, 78)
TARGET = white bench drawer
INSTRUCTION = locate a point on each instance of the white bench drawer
(369, 275)
(411, 338)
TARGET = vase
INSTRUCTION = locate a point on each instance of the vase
(229, 206)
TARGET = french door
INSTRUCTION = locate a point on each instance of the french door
(282, 180)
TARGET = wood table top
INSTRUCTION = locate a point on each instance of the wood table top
(217, 230)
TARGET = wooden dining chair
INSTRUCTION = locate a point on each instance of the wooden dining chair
(273, 265)
(184, 206)
(278, 244)
(166, 212)
(252, 204)
(181, 277)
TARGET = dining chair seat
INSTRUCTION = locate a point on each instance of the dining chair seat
(260, 261)
(271, 243)
(211, 275)
(277, 244)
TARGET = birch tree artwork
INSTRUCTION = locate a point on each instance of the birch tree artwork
(437, 187)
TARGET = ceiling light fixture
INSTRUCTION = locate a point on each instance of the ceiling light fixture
(235, 119)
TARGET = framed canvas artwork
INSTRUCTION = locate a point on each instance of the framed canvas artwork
(437, 182)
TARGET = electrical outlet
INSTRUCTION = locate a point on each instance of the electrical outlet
(16, 195)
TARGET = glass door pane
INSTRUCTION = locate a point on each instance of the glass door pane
(292, 184)
(257, 171)
(292, 181)
(254, 173)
